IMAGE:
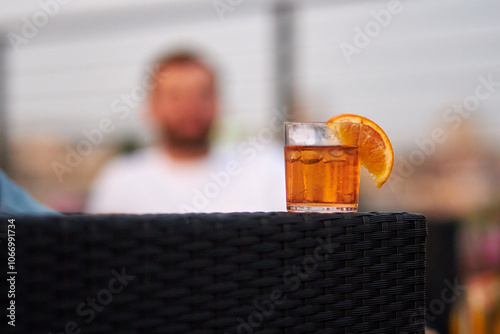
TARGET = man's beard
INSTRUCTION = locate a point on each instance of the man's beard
(182, 142)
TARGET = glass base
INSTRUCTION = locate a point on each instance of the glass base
(322, 209)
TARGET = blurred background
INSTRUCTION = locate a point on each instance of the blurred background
(426, 71)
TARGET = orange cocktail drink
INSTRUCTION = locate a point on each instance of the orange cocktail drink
(322, 171)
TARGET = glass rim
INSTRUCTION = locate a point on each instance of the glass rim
(290, 122)
(324, 123)
(317, 123)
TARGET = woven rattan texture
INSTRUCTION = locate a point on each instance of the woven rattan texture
(219, 273)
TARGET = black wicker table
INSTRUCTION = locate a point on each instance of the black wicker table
(214, 273)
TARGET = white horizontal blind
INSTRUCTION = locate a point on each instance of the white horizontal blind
(429, 56)
(416, 64)
(68, 77)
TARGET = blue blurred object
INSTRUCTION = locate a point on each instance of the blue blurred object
(15, 201)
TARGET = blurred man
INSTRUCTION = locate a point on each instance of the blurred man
(183, 173)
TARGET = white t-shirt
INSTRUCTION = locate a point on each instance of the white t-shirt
(149, 181)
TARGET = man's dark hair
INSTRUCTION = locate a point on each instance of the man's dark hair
(182, 58)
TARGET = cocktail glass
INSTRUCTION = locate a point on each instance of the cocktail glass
(322, 171)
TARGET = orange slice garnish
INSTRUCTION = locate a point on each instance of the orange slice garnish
(375, 149)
